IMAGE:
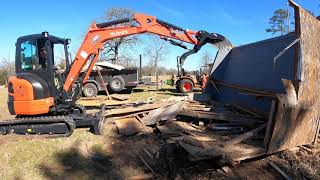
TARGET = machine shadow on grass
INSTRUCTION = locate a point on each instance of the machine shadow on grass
(72, 164)
(112, 157)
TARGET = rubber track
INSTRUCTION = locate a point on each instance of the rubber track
(43, 120)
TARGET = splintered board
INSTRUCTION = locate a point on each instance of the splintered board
(297, 124)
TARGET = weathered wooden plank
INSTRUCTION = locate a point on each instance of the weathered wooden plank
(163, 113)
(129, 126)
(229, 155)
(200, 141)
(280, 171)
(130, 110)
(297, 116)
(317, 134)
(270, 124)
(198, 109)
(219, 116)
(244, 136)
(118, 97)
(177, 127)
(142, 177)
(91, 102)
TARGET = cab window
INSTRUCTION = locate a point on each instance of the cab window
(33, 57)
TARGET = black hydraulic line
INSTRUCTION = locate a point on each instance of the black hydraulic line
(170, 25)
(175, 43)
(111, 23)
(186, 54)
(203, 38)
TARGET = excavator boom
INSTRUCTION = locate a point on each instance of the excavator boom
(98, 34)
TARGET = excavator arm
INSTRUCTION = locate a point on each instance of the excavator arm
(98, 34)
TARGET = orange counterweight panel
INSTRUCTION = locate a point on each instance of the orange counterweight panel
(22, 89)
(34, 107)
(23, 98)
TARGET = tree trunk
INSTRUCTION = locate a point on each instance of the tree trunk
(156, 73)
(116, 54)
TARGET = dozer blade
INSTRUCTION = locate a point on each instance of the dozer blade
(50, 125)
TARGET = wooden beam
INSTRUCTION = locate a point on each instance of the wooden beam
(130, 110)
(317, 133)
(163, 113)
(244, 136)
(280, 171)
(219, 116)
(103, 83)
(270, 123)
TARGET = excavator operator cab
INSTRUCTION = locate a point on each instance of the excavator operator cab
(37, 53)
(36, 56)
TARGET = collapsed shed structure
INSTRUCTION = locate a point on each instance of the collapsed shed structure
(264, 99)
(279, 78)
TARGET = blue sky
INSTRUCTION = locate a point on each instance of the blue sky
(241, 22)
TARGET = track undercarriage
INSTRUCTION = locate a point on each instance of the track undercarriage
(53, 126)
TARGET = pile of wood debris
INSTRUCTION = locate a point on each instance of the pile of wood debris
(184, 131)
(204, 130)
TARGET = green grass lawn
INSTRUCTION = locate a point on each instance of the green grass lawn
(81, 156)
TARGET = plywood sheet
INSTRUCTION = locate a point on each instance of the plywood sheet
(296, 124)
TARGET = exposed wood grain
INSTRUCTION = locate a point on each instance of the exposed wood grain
(129, 110)
(270, 124)
(229, 155)
(317, 134)
(163, 113)
(280, 171)
(142, 176)
(244, 136)
(297, 116)
(129, 126)
(218, 116)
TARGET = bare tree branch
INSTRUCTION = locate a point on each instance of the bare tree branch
(206, 59)
(6, 69)
(157, 51)
(113, 47)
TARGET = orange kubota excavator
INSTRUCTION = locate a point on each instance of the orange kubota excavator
(43, 99)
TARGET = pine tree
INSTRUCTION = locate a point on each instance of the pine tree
(278, 22)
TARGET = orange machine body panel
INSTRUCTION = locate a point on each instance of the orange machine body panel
(23, 98)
